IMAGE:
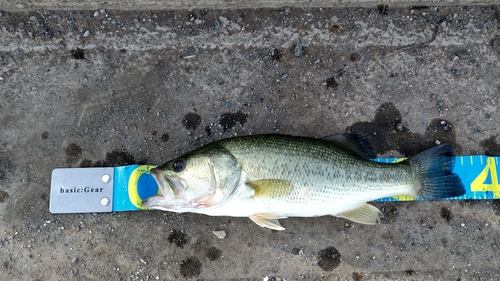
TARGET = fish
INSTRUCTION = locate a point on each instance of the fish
(272, 177)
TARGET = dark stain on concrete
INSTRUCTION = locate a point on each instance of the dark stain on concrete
(100, 163)
(276, 55)
(446, 214)
(491, 147)
(190, 267)
(389, 212)
(4, 196)
(208, 131)
(496, 206)
(113, 158)
(78, 54)
(191, 121)
(356, 276)
(45, 135)
(178, 238)
(6, 166)
(469, 202)
(444, 242)
(386, 132)
(335, 28)
(73, 153)
(329, 258)
(383, 9)
(119, 158)
(228, 120)
(355, 57)
(409, 272)
(86, 163)
(331, 83)
(213, 253)
(165, 137)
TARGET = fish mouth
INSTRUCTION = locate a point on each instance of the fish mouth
(170, 187)
(171, 197)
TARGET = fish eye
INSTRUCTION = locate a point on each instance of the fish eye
(179, 165)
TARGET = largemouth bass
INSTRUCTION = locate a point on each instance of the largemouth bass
(271, 177)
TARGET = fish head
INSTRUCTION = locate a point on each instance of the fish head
(202, 178)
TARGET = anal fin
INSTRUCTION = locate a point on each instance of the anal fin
(366, 214)
(269, 220)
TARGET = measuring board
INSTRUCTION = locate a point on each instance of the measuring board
(114, 189)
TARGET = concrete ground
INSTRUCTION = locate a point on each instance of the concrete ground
(107, 87)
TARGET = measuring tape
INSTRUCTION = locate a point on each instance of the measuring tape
(84, 190)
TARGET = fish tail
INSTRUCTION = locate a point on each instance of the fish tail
(435, 171)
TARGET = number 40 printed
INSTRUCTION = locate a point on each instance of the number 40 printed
(480, 182)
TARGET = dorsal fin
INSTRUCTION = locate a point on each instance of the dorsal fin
(353, 143)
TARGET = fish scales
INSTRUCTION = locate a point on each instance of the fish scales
(269, 177)
(329, 172)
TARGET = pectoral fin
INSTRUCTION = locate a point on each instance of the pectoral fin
(270, 188)
(366, 214)
(269, 220)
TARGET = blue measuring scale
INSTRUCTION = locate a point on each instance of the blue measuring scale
(132, 184)
(478, 174)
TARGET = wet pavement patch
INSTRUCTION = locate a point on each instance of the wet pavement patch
(4, 196)
(119, 158)
(228, 120)
(6, 167)
(165, 137)
(191, 121)
(73, 153)
(329, 258)
(491, 147)
(86, 163)
(208, 131)
(383, 9)
(446, 214)
(213, 253)
(355, 57)
(409, 272)
(78, 54)
(178, 238)
(331, 83)
(496, 206)
(386, 132)
(190, 267)
(276, 55)
(390, 213)
(356, 276)
(113, 158)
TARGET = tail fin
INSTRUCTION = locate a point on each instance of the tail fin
(435, 166)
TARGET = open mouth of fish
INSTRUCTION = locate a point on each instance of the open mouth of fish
(170, 187)
(173, 193)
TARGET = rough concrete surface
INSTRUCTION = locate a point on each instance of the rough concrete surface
(23, 5)
(107, 87)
